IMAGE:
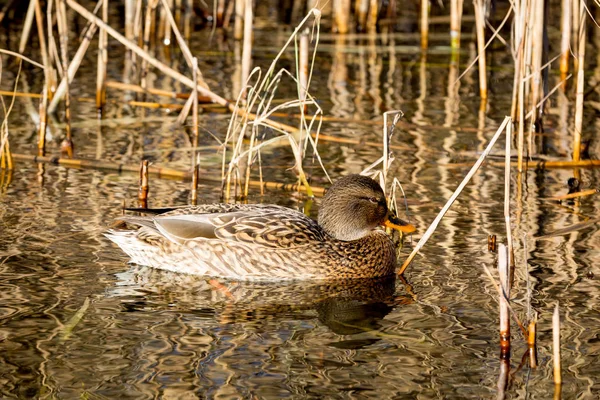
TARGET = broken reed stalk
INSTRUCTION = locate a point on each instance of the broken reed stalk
(580, 84)
(195, 153)
(456, 193)
(480, 24)
(61, 17)
(565, 42)
(247, 46)
(143, 187)
(425, 24)
(238, 25)
(504, 278)
(102, 60)
(556, 347)
(456, 7)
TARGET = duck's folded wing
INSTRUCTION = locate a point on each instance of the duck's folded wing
(273, 229)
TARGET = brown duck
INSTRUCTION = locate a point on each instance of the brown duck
(269, 242)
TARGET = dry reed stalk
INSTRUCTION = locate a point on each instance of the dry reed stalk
(537, 39)
(507, 195)
(60, 92)
(341, 9)
(129, 18)
(220, 12)
(580, 84)
(150, 16)
(164, 173)
(158, 92)
(303, 66)
(531, 344)
(538, 164)
(425, 5)
(102, 60)
(457, 192)
(456, 7)
(504, 278)
(5, 9)
(247, 47)
(373, 16)
(61, 17)
(480, 23)
(583, 193)
(195, 134)
(143, 187)
(238, 27)
(361, 8)
(556, 346)
(137, 26)
(183, 79)
(565, 43)
(27, 25)
(47, 79)
(575, 29)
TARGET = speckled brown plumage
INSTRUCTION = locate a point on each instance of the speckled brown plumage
(243, 241)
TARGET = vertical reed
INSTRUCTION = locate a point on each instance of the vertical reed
(150, 13)
(556, 348)
(341, 9)
(373, 16)
(537, 38)
(247, 48)
(144, 187)
(425, 5)
(47, 80)
(361, 8)
(303, 65)
(504, 277)
(61, 17)
(102, 60)
(456, 8)
(238, 25)
(575, 29)
(507, 194)
(580, 84)
(565, 43)
(480, 24)
(195, 153)
(531, 342)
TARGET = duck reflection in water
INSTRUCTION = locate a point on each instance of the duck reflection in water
(346, 307)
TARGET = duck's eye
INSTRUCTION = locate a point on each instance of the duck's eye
(374, 200)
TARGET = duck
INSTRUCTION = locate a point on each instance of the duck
(270, 242)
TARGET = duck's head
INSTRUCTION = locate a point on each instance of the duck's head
(354, 206)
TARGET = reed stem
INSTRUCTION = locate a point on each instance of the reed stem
(456, 193)
(580, 84)
(556, 346)
(480, 24)
(504, 278)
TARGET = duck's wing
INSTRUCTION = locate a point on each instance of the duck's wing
(266, 226)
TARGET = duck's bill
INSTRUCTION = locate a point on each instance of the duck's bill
(399, 225)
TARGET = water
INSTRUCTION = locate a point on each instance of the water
(77, 321)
